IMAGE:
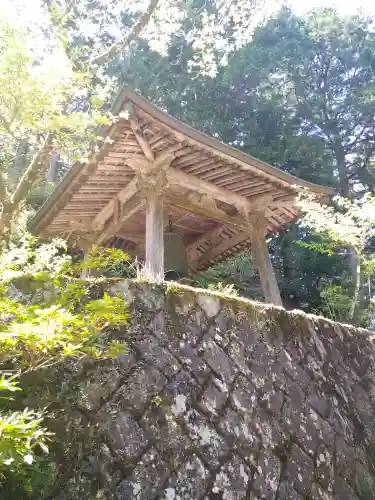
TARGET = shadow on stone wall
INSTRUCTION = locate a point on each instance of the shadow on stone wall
(218, 398)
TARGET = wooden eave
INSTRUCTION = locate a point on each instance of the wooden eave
(209, 183)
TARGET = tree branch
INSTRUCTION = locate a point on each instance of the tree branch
(132, 35)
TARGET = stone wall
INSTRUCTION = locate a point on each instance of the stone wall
(218, 398)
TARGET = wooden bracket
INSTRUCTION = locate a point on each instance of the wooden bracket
(152, 183)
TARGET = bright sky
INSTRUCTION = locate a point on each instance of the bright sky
(24, 11)
(29, 9)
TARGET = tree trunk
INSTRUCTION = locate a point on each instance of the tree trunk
(341, 167)
(356, 283)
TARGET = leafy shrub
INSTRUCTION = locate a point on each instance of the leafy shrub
(47, 315)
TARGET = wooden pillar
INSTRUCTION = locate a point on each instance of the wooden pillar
(152, 185)
(154, 266)
(263, 261)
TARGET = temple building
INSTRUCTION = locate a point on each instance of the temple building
(175, 198)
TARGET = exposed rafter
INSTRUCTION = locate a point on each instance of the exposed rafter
(214, 252)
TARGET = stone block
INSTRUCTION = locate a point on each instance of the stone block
(167, 435)
(300, 423)
(209, 303)
(269, 430)
(319, 400)
(151, 350)
(299, 470)
(190, 482)
(232, 480)
(342, 491)
(194, 328)
(224, 321)
(267, 475)
(204, 436)
(139, 389)
(179, 393)
(214, 397)
(244, 396)
(324, 472)
(146, 480)
(188, 357)
(273, 400)
(295, 371)
(126, 436)
(344, 459)
(218, 360)
(240, 433)
(286, 492)
(318, 494)
(247, 334)
(101, 381)
(236, 351)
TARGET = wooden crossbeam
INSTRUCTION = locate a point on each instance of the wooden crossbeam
(205, 211)
(128, 209)
(122, 197)
(176, 177)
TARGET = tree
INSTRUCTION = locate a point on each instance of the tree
(325, 63)
(349, 224)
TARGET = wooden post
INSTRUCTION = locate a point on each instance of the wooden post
(152, 186)
(263, 262)
(154, 266)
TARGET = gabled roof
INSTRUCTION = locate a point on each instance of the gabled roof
(213, 226)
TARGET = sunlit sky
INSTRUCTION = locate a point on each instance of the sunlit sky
(26, 12)
(30, 9)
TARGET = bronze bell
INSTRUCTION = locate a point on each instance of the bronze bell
(175, 256)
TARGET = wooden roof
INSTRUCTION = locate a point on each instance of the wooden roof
(211, 186)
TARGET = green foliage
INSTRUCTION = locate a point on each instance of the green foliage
(327, 247)
(35, 99)
(21, 434)
(236, 275)
(346, 223)
(336, 303)
(52, 319)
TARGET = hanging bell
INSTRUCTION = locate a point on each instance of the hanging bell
(175, 256)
